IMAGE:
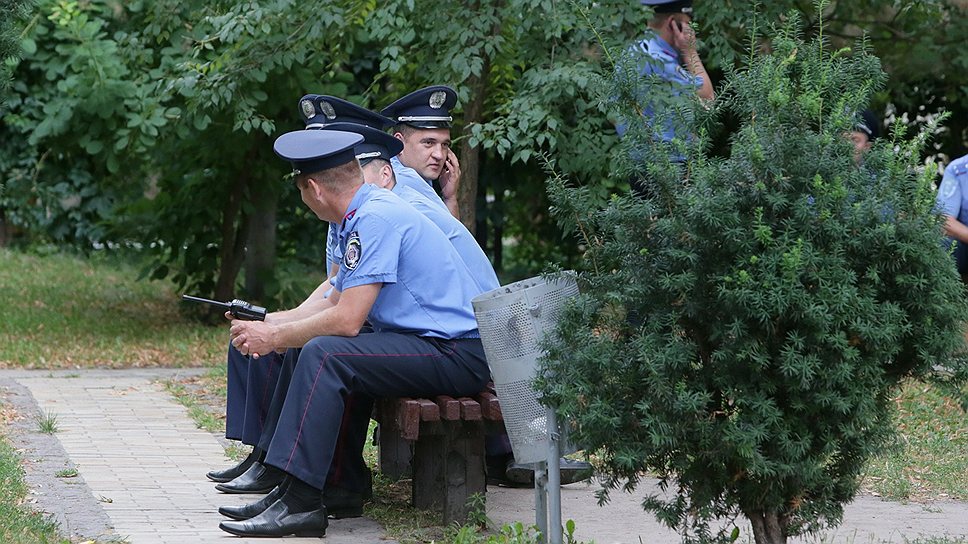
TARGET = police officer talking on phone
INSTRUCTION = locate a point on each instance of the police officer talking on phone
(668, 52)
(673, 44)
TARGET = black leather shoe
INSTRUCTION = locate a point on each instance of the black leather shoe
(344, 503)
(249, 511)
(258, 479)
(518, 475)
(277, 521)
(231, 473)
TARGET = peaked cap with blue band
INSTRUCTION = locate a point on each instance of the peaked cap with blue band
(425, 108)
(669, 6)
(319, 110)
(312, 151)
(376, 144)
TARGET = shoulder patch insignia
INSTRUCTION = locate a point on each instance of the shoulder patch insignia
(948, 187)
(354, 251)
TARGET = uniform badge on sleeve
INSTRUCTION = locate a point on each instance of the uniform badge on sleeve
(948, 187)
(354, 251)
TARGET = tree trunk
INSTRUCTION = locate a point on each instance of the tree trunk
(768, 527)
(470, 157)
(232, 251)
(4, 230)
(260, 254)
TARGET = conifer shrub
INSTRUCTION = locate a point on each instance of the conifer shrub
(742, 328)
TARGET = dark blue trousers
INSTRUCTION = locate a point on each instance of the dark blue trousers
(348, 469)
(336, 378)
(251, 383)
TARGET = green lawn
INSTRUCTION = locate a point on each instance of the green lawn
(65, 312)
(19, 525)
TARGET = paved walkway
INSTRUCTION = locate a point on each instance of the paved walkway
(141, 465)
(141, 457)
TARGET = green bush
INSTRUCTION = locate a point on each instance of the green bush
(741, 331)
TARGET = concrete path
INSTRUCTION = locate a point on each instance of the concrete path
(140, 456)
(141, 464)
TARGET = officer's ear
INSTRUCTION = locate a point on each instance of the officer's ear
(399, 136)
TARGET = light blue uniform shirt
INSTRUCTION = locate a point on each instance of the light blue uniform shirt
(409, 177)
(455, 231)
(656, 57)
(333, 254)
(427, 288)
(953, 194)
(952, 200)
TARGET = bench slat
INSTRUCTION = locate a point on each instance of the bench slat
(490, 407)
(470, 410)
(428, 410)
(449, 407)
(408, 418)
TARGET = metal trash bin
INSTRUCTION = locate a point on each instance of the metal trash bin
(513, 320)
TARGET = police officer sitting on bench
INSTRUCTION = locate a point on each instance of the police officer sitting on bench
(400, 273)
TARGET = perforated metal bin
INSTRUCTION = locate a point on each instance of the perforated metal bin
(512, 320)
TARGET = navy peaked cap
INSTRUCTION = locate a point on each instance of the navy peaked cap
(426, 108)
(312, 151)
(669, 6)
(868, 124)
(376, 144)
(319, 110)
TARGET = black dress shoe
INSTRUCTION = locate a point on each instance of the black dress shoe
(231, 473)
(278, 521)
(258, 479)
(249, 511)
(345, 503)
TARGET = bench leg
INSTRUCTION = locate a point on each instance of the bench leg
(396, 454)
(448, 469)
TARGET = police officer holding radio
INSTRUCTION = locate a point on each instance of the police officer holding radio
(423, 122)
(399, 272)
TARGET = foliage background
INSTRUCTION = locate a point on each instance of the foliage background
(147, 125)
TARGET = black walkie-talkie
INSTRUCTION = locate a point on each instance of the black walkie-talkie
(240, 309)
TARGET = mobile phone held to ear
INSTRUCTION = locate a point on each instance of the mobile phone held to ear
(678, 24)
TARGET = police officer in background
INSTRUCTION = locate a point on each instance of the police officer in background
(668, 52)
(400, 273)
(423, 122)
(866, 131)
(953, 201)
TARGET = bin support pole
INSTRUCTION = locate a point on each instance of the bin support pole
(541, 499)
(554, 479)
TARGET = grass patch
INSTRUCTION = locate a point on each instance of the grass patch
(930, 460)
(204, 396)
(66, 473)
(19, 525)
(65, 312)
(47, 423)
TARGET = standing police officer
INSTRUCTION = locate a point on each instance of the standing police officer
(668, 64)
(423, 125)
(953, 201)
(400, 273)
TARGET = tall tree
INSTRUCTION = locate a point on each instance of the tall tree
(742, 329)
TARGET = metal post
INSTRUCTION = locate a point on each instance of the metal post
(554, 480)
(541, 499)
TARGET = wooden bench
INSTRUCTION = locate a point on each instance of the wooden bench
(439, 443)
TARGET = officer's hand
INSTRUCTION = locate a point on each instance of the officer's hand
(684, 38)
(252, 337)
(449, 176)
